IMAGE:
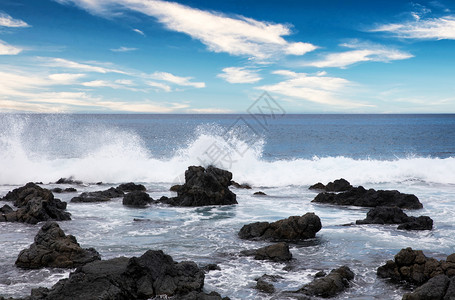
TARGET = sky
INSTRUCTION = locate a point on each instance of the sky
(153, 56)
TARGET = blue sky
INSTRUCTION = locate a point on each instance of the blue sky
(151, 56)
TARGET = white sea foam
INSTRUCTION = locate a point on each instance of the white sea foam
(99, 153)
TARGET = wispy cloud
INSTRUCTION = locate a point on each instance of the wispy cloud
(183, 81)
(123, 49)
(8, 21)
(315, 88)
(442, 28)
(86, 67)
(159, 85)
(7, 49)
(362, 52)
(139, 31)
(209, 110)
(239, 75)
(237, 35)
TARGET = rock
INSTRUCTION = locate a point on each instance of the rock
(292, 229)
(67, 190)
(69, 180)
(203, 187)
(370, 198)
(414, 267)
(52, 248)
(329, 286)
(317, 186)
(6, 209)
(98, 196)
(137, 198)
(395, 215)
(154, 274)
(201, 296)
(339, 185)
(240, 186)
(265, 283)
(260, 193)
(175, 188)
(276, 252)
(131, 187)
(35, 204)
(320, 274)
(211, 267)
(437, 288)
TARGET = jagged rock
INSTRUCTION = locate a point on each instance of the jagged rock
(240, 186)
(265, 283)
(318, 186)
(339, 185)
(395, 215)
(201, 296)
(329, 286)
(69, 180)
(137, 198)
(52, 248)
(6, 209)
(414, 267)
(60, 190)
(359, 196)
(35, 204)
(175, 188)
(320, 274)
(275, 252)
(437, 288)
(292, 229)
(211, 267)
(150, 275)
(131, 187)
(203, 187)
(260, 193)
(99, 196)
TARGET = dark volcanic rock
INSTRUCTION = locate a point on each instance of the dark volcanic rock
(240, 186)
(275, 252)
(153, 274)
(211, 267)
(137, 198)
(99, 196)
(131, 187)
(318, 186)
(395, 215)
(35, 204)
(370, 198)
(6, 209)
(414, 267)
(203, 187)
(175, 188)
(67, 190)
(52, 248)
(69, 180)
(329, 286)
(292, 229)
(260, 193)
(437, 288)
(265, 283)
(339, 185)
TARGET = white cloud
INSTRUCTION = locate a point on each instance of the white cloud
(432, 28)
(239, 75)
(123, 49)
(7, 21)
(159, 85)
(68, 64)
(6, 49)
(65, 78)
(183, 81)
(209, 110)
(362, 52)
(139, 31)
(220, 33)
(319, 89)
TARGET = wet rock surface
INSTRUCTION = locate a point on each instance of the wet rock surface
(99, 196)
(276, 252)
(137, 199)
(395, 215)
(440, 287)
(131, 187)
(339, 185)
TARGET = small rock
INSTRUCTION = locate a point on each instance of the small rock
(137, 198)
(240, 186)
(130, 187)
(260, 193)
(276, 252)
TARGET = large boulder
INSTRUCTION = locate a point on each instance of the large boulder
(35, 204)
(137, 199)
(154, 274)
(440, 287)
(359, 196)
(131, 187)
(329, 286)
(292, 229)
(395, 215)
(52, 248)
(99, 196)
(276, 252)
(203, 187)
(339, 185)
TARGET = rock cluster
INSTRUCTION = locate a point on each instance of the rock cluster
(203, 187)
(330, 285)
(131, 187)
(35, 204)
(276, 252)
(52, 248)
(395, 215)
(440, 287)
(99, 196)
(339, 185)
(137, 199)
(292, 229)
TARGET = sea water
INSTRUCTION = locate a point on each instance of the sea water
(280, 155)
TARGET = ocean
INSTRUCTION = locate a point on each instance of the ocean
(279, 154)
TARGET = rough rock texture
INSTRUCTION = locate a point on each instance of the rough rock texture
(339, 185)
(275, 252)
(131, 187)
(211, 267)
(440, 287)
(265, 283)
(67, 190)
(6, 209)
(52, 248)
(175, 188)
(259, 193)
(99, 196)
(414, 267)
(329, 286)
(153, 274)
(294, 228)
(395, 215)
(137, 198)
(240, 186)
(69, 180)
(359, 196)
(35, 204)
(203, 187)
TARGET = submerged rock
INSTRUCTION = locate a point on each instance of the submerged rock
(52, 248)
(203, 187)
(67, 190)
(359, 196)
(259, 193)
(265, 283)
(137, 198)
(35, 204)
(240, 186)
(99, 196)
(339, 185)
(69, 180)
(292, 229)
(175, 188)
(131, 187)
(329, 286)
(275, 252)
(395, 215)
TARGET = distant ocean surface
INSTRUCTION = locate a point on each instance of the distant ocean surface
(280, 155)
